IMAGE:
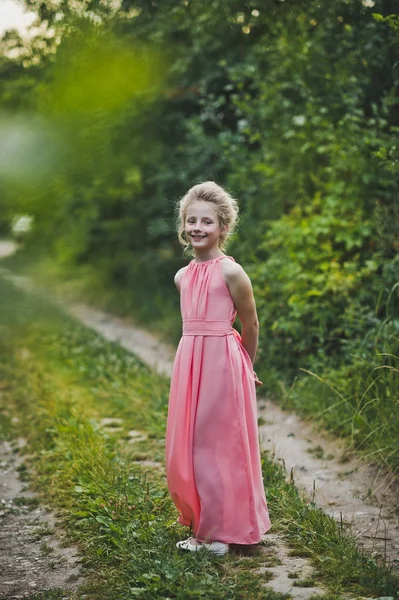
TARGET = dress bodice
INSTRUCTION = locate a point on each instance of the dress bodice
(204, 293)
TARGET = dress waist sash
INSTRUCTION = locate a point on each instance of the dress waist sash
(207, 327)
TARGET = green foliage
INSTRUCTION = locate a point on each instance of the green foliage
(314, 270)
(358, 400)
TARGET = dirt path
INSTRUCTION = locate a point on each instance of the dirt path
(135, 339)
(357, 494)
(33, 556)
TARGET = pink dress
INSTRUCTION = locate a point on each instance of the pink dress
(212, 450)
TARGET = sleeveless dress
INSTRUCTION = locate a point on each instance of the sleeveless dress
(212, 450)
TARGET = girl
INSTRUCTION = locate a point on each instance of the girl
(212, 451)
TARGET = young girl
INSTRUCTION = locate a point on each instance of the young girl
(212, 452)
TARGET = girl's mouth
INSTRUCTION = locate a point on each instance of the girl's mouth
(197, 237)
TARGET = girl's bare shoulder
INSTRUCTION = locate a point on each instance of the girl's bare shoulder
(232, 271)
(179, 275)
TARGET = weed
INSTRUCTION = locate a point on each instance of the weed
(308, 582)
(318, 452)
(45, 549)
(23, 472)
(27, 502)
(55, 594)
(41, 531)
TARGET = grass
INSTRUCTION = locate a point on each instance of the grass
(59, 380)
(359, 401)
(308, 582)
(42, 531)
(63, 379)
(30, 503)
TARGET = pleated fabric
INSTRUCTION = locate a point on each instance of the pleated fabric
(212, 450)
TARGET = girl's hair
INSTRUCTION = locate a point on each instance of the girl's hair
(225, 205)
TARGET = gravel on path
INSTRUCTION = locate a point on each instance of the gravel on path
(33, 553)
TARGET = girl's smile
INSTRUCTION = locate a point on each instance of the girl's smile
(202, 227)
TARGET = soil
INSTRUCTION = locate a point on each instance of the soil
(359, 494)
(33, 554)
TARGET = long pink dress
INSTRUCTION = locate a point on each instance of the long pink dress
(212, 450)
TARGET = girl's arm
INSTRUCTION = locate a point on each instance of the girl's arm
(240, 289)
(178, 277)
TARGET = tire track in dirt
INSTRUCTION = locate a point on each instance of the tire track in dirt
(358, 494)
(33, 554)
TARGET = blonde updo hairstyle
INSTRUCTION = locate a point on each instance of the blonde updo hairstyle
(225, 205)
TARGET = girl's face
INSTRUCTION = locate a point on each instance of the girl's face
(202, 225)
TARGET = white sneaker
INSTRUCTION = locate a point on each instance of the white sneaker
(187, 545)
(216, 547)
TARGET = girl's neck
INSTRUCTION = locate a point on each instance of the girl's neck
(206, 256)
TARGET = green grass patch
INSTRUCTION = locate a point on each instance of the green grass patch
(339, 562)
(60, 381)
(57, 594)
(30, 503)
(308, 582)
(358, 401)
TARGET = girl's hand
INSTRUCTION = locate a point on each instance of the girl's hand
(258, 383)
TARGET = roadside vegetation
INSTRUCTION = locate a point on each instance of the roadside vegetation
(94, 419)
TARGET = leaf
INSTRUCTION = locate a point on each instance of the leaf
(82, 513)
(81, 489)
(104, 520)
(314, 293)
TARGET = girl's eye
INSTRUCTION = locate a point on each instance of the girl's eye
(193, 221)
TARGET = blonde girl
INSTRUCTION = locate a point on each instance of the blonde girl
(212, 452)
